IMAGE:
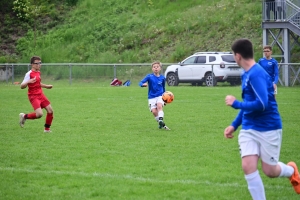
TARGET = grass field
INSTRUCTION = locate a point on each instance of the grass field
(105, 144)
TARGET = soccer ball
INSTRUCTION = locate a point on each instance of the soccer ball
(168, 97)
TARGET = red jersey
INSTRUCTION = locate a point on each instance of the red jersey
(33, 88)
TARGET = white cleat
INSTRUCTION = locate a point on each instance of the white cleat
(22, 119)
(166, 128)
(47, 131)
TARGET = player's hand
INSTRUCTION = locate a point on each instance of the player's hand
(229, 99)
(49, 86)
(33, 80)
(145, 85)
(228, 132)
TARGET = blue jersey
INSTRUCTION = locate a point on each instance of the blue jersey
(156, 85)
(271, 67)
(259, 110)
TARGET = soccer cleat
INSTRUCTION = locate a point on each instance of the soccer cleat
(47, 131)
(295, 178)
(161, 124)
(167, 128)
(22, 119)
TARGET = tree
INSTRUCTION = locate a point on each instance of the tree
(28, 12)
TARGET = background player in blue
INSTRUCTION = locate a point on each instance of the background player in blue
(270, 65)
(156, 87)
(261, 133)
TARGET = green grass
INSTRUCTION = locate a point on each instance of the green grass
(105, 144)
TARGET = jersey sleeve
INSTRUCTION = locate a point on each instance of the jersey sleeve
(238, 120)
(276, 72)
(26, 78)
(144, 80)
(164, 84)
(261, 100)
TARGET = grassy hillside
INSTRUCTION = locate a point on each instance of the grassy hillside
(106, 31)
(19, 16)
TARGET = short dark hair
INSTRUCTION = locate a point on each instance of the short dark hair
(268, 47)
(243, 47)
(34, 58)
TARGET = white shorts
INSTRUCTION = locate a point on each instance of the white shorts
(153, 102)
(265, 144)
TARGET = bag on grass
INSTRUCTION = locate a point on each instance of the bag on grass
(127, 83)
(116, 82)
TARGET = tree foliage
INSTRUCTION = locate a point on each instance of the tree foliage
(17, 17)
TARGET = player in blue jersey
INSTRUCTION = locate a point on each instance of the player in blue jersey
(156, 87)
(270, 65)
(261, 133)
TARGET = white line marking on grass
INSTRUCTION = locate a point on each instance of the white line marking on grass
(135, 178)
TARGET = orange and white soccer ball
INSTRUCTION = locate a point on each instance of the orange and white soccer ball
(168, 97)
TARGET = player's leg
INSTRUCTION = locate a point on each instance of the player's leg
(38, 113)
(270, 151)
(161, 114)
(289, 170)
(160, 104)
(153, 108)
(249, 150)
(49, 117)
(270, 143)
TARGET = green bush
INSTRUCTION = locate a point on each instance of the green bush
(22, 9)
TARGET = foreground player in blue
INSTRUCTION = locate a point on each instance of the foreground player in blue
(270, 65)
(261, 133)
(156, 87)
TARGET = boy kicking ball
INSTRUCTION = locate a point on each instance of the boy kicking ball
(156, 88)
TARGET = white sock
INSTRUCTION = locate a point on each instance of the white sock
(156, 118)
(286, 170)
(255, 186)
(161, 114)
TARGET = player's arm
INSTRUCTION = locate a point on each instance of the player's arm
(276, 73)
(228, 132)
(164, 84)
(24, 85)
(229, 100)
(27, 80)
(143, 83)
(238, 120)
(261, 100)
(46, 86)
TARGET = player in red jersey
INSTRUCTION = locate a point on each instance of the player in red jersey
(36, 96)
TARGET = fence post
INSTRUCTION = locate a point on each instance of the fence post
(6, 73)
(286, 75)
(115, 71)
(70, 78)
(13, 74)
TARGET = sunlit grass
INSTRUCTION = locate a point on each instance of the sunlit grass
(105, 144)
